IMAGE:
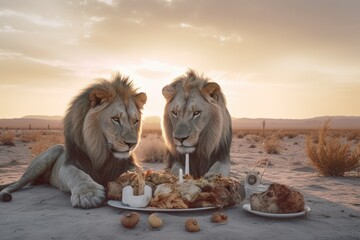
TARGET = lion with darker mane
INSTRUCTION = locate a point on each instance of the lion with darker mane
(102, 127)
(197, 122)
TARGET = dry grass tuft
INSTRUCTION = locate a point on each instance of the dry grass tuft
(30, 136)
(332, 156)
(290, 134)
(151, 149)
(8, 138)
(45, 142)
(353, 136)
(272, 145)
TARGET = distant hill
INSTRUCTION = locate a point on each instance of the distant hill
(153, 122)
(43, 117)
(33, 122)
(337, 122)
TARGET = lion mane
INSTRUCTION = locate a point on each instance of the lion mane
(84, 139)
(102, 127)
(188, 97)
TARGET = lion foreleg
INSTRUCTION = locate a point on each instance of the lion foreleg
(85, 192)
(40, 166)
(217, 168)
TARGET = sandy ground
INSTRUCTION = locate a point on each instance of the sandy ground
(43, 212)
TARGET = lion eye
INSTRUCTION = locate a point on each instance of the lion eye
(175, 114)
(196, 113)
(116, 120)
(136, 122)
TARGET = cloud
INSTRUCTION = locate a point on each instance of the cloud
(8, 29)
(135, 20)
(107, 2)
(242, 44)
(89, 23)
(35, 19)
(210, 32)
(187, 25)
(20, 71)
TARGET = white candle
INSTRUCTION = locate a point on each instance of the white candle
(181, 180)
(187, 164)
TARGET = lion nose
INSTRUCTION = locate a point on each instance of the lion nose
(130, 144)
(181, 139)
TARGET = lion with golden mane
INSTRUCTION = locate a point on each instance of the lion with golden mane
(197, 122)
(101, 128)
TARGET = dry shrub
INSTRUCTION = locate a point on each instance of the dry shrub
(45, 142)
(8, 138)
(254, 138)
(240, 133)
(151, 149)
(353, 136)
(332, 156)
(30, 136)
(151, 132)
(272, 145)
(290, 134)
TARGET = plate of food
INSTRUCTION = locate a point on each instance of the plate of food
(247, 208)
(151, 190)
(119, 204)
(278, 201)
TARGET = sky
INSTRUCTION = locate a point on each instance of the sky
(273, 59)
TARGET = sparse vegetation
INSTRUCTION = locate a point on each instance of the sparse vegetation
(151, 132)
(272, 145)
(240, 135)
(46, 141)
(8, 138)
(30, 136)
(332, 155)
(353, 136)
(151, 149)
(255, 138)
(263, 128)
(290, 134)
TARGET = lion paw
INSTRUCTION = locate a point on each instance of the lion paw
(88, 195)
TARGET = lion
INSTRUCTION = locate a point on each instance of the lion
(197, 122)
(102, 127)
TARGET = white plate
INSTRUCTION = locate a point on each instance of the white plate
(247, 208)
(119, 204)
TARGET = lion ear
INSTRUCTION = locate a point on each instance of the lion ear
(97, 96)
(212, 89)
(168, 92)
(140, 99)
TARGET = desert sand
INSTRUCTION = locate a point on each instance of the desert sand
(43, 212)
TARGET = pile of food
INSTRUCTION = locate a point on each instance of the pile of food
(218, 191)
(279, 198)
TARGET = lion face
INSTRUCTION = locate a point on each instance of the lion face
(112, 125)
(197, 122)
(194, 115)
(189, 115)
(121, 128)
